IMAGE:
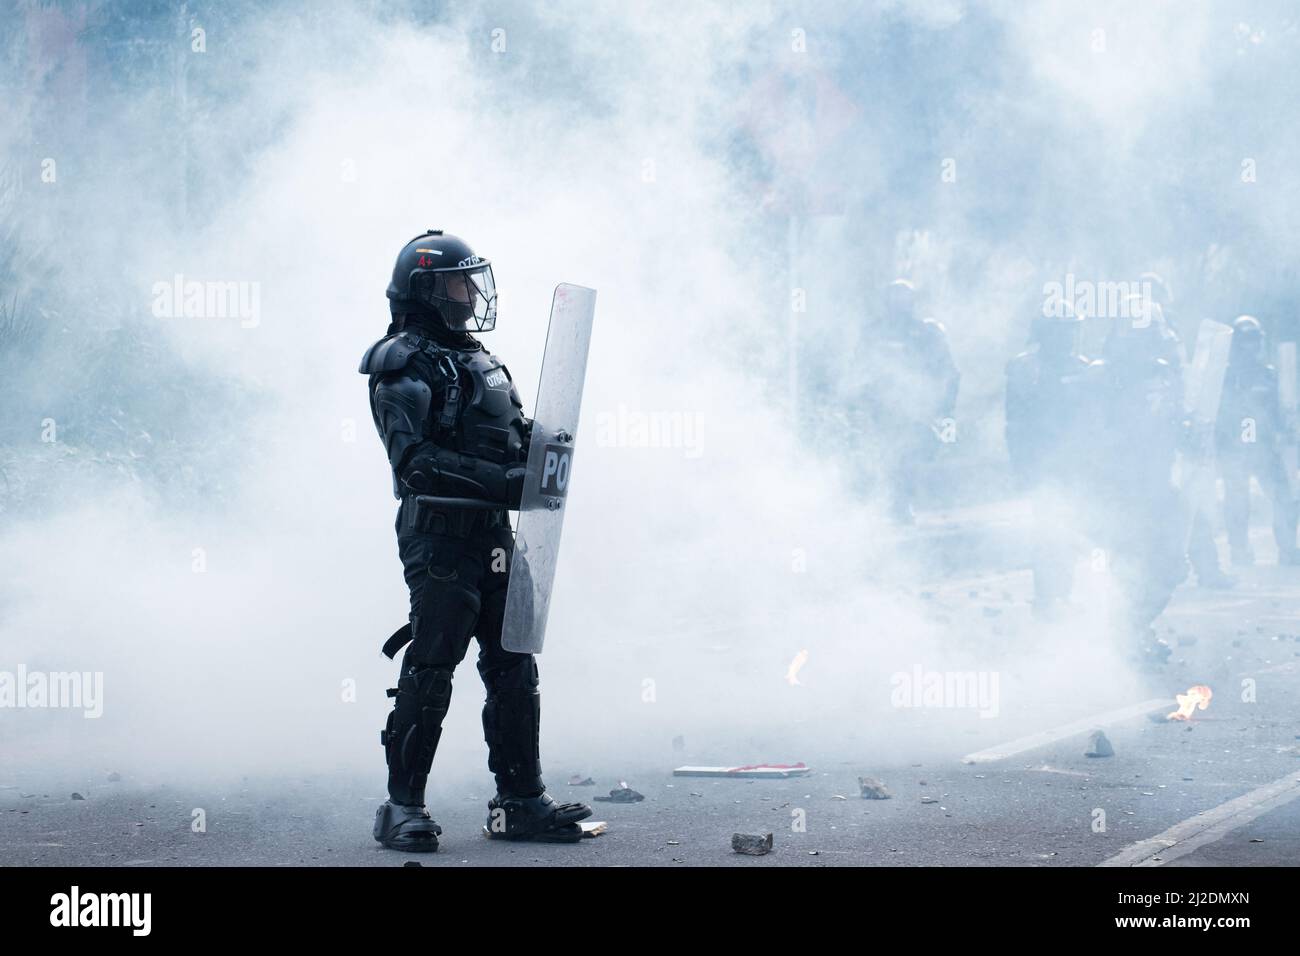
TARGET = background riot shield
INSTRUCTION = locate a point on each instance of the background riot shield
(550, 465)
(1203, 387)
(1286, 386)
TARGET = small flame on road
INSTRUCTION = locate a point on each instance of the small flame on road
(792, 672)
(1198, 696)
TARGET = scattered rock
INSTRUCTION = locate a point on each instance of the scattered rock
(622, 794)
(751, 844)
(77, 796)
(873, 789)
(1099, 746)
(929, 799)
(578, 780)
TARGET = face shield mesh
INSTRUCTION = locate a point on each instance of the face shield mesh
(465, 298)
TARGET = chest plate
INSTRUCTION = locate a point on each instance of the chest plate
(489, 415)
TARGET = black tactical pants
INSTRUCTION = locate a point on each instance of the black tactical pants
(1265, 464)
(1147, 543)
(457, 569)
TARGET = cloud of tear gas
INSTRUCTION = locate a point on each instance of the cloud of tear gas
(738, 184)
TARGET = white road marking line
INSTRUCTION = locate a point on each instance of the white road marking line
(1082, 726)
(1209, 826)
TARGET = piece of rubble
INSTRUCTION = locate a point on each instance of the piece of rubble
(929, 799)
(593, 828)
(1099, 745)
(77, 796)
(873, 789)
(751, 844)
(759, 771)
(578, 780)
(622, 794)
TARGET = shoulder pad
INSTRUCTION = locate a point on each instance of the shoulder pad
(388, 354)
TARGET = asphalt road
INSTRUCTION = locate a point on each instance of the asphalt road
(1041, 805)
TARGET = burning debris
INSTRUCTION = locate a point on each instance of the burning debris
(1196, 697)
(873, 789)
(751, 844)
(792, 672)
(1099, 745)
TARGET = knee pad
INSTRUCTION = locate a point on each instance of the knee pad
(505, 672)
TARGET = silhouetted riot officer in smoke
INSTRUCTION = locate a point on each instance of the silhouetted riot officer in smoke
(1043, 402)
(453, 426)
(1202, 553)
(1249, 430)
(908, 394)
(1135, 423)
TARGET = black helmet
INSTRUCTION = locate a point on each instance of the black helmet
(1247, 340)
(1057, 327)
(440, 275)
(900, 299)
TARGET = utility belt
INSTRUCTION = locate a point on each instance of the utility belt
(456, 517)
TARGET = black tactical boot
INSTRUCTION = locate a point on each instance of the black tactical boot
(522, 809)
(410, 740)
(537, 818)
(409, 829)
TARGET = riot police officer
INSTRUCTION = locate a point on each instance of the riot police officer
(1043, 401)
(908, 395)
(1247, 435)
(453, 427)
(1135, 425)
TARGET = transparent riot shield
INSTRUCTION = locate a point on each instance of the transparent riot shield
(1203, 384)
(1286, 385)
(550, 466)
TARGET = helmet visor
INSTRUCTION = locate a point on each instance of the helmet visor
(465, 298)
